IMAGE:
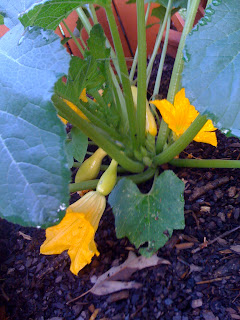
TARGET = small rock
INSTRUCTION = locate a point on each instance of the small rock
(168, 301)
(231, 192)
(221, 215)
(236, 213)
(197, 303)
(208, 315)
(58, 279)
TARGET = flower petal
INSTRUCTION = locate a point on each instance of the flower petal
(207, 134)
(60, 237)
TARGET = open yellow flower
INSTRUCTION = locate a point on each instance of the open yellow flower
(83, 97)
(180, 116)
(76, 231)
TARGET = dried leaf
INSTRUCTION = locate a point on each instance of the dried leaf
(236, 248)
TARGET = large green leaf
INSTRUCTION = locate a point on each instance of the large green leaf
(10, 9)
(50, 13)
(147, 218)
(211, 73)
(33, 173)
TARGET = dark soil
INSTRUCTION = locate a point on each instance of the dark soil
(202, 281)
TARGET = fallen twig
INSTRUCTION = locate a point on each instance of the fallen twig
(209, 186)
(207, 243)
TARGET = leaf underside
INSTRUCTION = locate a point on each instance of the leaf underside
(211, 75)
(33, 172)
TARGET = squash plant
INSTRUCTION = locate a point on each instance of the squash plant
(108, 108)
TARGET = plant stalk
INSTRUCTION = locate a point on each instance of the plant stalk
(179, 145)
(103, 140)
(206, 163)
(177, 70)
(136, 178)
(74, 38)
(142, 65)
(158, 40)
(135, 60)
(124, 75)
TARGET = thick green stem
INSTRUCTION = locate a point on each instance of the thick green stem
(142, 64)
(74, 38)
(124, 74)
(103, 140)
(136, 178)
(179, 145)
(178, 64)
(93, 13)
(206, 163)
(135, 60)
(177, 70)
(158, 40)
(162, 59)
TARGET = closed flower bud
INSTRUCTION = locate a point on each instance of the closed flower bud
(108, 179)
(90, 168)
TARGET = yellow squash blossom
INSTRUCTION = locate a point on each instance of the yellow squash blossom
(83, 97)
(76, 231)
(180, 116)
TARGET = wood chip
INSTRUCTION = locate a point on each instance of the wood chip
(25, 236)
(185, 245)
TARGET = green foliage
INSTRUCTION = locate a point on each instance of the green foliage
(1, 19)
(160, 11)
(145, 218)
(211, 74)
(50, 13)
(11, 9)
(33, 174)
(76, 146)
(176, 3)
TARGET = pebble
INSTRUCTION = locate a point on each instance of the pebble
(197, 303)
(168, 301)
(208, 315)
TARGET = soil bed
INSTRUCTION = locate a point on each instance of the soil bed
(202, 281)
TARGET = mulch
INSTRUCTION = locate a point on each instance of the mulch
(202, 281)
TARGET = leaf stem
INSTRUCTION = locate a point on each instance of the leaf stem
(179, 145)
(124, 74)
(158, 40)
(206, 163)
(74, 38)
(135, 60)
(177, 70)
(102, 139)
(136, 178)
(142, 64)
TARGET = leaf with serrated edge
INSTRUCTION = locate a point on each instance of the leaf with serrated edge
(145, 218)
(33, 173)
(211, 75)
(50, 13)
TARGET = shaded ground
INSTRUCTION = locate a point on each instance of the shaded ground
(202, 282)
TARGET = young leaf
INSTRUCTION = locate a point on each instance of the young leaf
(146, 218)
(76, 147)
(33, 174)
(50, 13)
(211, 75)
